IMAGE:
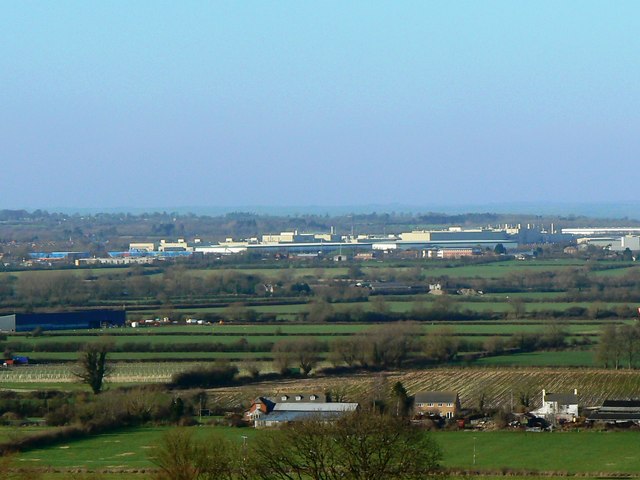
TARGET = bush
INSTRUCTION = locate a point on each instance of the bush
(60, 416)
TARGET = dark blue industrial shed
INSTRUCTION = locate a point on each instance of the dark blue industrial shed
(25, 322)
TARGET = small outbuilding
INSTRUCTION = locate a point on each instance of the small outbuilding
(617, 412)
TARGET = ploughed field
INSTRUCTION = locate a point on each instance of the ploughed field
(499, 386)
(496, 385)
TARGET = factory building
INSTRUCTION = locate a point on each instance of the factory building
(58, 256)
(454, 234)
(449, 253)
(26, 322)
(142, 246)
(180, 246)
(295, 237)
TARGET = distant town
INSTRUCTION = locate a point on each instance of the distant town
(452, 242)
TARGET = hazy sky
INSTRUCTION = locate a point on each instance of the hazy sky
(154, 104)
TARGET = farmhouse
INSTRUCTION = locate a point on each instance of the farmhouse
(558, 406)
(286, 408)
(444, 404)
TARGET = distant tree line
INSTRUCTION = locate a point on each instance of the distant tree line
(619, 346)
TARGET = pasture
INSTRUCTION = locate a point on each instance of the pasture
(563, 358)
(559, 452)
(585, 452)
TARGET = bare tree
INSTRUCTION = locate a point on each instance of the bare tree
(182, 457)
(629, 343)
(303, 353)
(307, 354)
(319, 311)
(441, 345)
(282, 356)
(360, 446)
(92, 364)
(609, 348)
(392, 344)
(350, 350)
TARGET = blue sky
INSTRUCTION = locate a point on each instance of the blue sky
(168, 104)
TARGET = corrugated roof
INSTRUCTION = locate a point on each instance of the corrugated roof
(299, 416)
(618, 416)
(315, 407)
(621, 404)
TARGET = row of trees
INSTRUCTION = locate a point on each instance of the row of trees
(383, 346)
(619, 346)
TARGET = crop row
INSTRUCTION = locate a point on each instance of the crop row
(499, 387)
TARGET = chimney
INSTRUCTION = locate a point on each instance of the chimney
(544, 394)
(575, 391)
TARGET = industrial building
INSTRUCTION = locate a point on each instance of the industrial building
(57, 256)
(296, 242)
(26, 322)
(613, 243)
(296, 237)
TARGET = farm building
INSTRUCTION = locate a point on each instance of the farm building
(617, 411)
(25, 322)
(284, 408)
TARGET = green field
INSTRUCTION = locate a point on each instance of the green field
(130, 448)
(564, 358)
(240, 339)
(232, 333)
(491, 304)
(8, 433)
(571, 452)
(500, 269)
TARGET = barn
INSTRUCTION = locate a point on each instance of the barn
(26, 322)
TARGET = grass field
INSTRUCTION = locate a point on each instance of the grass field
(571, 452)
(8, 433)
(124, 449)
(140, 344)
(493, 303)
(261, 332)
(565, 358)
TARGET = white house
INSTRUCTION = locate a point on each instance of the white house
(558, 406)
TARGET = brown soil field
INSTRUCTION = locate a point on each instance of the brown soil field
(498, 385)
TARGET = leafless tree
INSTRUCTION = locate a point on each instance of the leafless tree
(92, 364)
(360, 446)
